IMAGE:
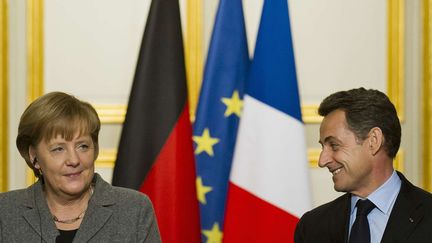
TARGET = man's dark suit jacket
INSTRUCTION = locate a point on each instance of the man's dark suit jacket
(410, 219)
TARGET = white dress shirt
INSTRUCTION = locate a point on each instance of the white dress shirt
(384, 199)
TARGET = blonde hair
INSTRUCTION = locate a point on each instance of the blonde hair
(53, 114)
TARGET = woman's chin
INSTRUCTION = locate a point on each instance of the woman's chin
(75, 189)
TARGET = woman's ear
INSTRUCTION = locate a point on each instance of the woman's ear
(33, 158)
(376, 140)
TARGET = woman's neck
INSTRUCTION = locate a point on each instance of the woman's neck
(68, 211)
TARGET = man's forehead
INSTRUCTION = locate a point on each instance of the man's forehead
(333, 126)
(335, 119)
(337, 115)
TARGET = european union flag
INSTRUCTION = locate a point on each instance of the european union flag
(219, 110)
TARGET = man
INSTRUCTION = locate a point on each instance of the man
(360, 136)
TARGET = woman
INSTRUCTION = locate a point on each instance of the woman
(58, 138)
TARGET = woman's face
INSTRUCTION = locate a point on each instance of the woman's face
(67, 166)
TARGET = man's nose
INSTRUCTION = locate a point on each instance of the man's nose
(324, 158)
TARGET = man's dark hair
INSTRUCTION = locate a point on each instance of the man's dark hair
(365, 109)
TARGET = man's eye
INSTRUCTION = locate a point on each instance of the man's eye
(334, 147)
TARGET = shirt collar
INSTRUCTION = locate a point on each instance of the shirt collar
(384, 196)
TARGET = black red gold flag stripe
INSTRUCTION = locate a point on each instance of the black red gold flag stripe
(155, 153)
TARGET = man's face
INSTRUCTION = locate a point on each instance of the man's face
(348, 159)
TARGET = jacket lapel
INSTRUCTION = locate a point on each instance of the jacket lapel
(98, 212)
(37, 214)
(32, 218)
(347, 209)
(93, 222)
(406, 213)
(336, 228)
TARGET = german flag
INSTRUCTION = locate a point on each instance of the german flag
(155, 154)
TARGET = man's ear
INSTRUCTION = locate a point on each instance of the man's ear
(376, 140)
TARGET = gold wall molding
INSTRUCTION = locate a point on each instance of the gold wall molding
(395, 54)
(35, 57)
(35, 49)
(310, 113)
(106, 158)
(111, 113)
(4, 94)
(427, 92)
(115, 113)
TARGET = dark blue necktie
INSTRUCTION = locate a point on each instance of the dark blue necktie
(360, 232)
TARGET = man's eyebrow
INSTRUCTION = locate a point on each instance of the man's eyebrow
(328, 139)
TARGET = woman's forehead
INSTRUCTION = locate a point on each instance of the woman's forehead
(67, 130)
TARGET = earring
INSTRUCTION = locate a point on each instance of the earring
(34, 164)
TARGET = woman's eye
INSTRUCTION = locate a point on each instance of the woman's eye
(57, 149)
(83, 147)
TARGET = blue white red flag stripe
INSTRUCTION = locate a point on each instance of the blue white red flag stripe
(269, 183)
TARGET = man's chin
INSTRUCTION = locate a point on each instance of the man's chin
(340, 188)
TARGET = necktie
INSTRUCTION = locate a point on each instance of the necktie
(360, 232)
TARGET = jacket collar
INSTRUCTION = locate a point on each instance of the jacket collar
(39, 217)
(406, 214)
(99, 210)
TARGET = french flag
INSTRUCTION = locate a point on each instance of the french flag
(269, 183)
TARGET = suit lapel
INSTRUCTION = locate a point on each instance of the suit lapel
(406, 213)
(338, 221)
(346, 220)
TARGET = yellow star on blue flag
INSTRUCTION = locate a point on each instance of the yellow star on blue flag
(234, 105)
(202, 190)
(214, 235)
(205, 143)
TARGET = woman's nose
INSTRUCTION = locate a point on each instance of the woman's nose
(73, 158)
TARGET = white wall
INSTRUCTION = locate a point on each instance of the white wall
(91, 47)
(17, 88)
